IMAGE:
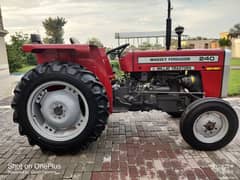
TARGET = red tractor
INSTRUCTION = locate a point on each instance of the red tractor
(64, 103)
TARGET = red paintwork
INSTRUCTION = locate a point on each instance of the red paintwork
(96, 61)
(212, 80)
(92, 58)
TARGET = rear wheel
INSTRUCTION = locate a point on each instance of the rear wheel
(60, 107)
(209, 124)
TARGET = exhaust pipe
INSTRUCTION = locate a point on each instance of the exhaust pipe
(169, 27)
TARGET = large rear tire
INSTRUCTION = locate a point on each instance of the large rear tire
(209, 124)
(60, 107)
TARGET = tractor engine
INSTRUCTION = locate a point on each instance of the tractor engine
(157, 90)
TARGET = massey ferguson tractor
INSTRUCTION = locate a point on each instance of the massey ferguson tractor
(64, 103)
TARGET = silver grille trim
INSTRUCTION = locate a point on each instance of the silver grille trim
(228, 56)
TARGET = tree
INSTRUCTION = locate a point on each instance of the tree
(224, 42)
(54, 30)
(16, 57)
(235, 31)
(95, 41)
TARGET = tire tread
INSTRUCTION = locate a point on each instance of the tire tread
(73, 70)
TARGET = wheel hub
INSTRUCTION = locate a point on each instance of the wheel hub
(60, 109)
(210, 127)
(59, 114)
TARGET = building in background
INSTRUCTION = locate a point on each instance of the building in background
(235, 43)
(236, 47)
(200, 43)
(3, 51)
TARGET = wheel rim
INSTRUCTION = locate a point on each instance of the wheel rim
(210, 127)
(58, 111)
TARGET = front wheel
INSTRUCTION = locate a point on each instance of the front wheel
(209, 124)
(60, 107)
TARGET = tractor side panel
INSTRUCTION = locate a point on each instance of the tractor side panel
(92, 58)
(211, 72)
(212, 83)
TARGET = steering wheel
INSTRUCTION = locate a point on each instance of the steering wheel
(118, 50)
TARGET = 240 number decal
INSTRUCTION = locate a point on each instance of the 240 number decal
(207, 58)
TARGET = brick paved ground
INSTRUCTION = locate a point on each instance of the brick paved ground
(135, 145)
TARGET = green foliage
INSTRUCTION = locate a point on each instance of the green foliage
(96, 42)
(16, 57)
(54, 30)
(235, 31)
(225, 42)
(235, 62)
(116, 68)
(31, 59)
(25, 69)
(13, 60)
(234, 80)
(234, 83)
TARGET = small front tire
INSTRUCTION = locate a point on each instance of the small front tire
(209, 124)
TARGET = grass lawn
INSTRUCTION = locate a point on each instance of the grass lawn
(25, 69)
(234, 83)
(235, 62)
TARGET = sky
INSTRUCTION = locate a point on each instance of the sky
(102, 18)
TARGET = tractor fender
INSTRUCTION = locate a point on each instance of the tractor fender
(92, 58)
